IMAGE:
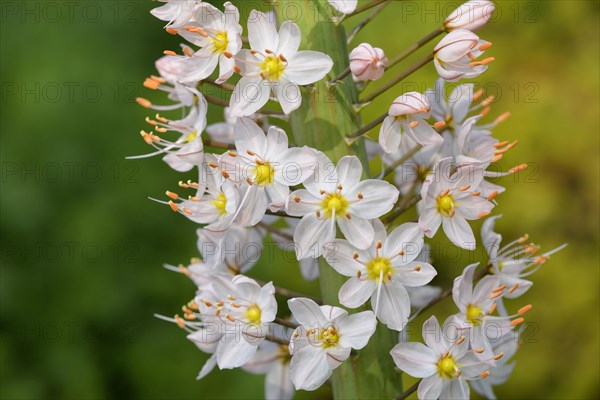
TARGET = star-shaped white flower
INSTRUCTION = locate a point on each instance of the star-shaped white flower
(382, 271)
(323, 340)
(337, 195)
(274, 64)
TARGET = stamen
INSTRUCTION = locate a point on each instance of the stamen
(485, 374)
(144, 102)
(524, 309)
(173, 206)
(169, 53)
(172, 195)
(517, 321)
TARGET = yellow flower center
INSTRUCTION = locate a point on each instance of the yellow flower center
(220, 42)
(253, 314)
(264, 174)
(334, 201)
(191, 136)
(329, 337)
(272, 68)
(220, 203)
(445, 205)
(446, 367)
(474, 314)
(377, 266)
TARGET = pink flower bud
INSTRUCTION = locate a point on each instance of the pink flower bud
(410, 103)
(455, 56)
(367, 63)
(472, 15)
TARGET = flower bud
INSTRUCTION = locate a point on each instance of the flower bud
(410, 103)
(344, 6)
(455, 56)
(472, 15)
(367, 63)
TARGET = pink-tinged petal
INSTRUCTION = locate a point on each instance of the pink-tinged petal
(249, 95)
(459, 232)
(349, 171)
(306, 67)
(390, 134)
(262, 31)
(406, 242)
(311, 234)
(355, 292)
(378, 198)
(415, 359)
(357, 329)
(455, 45)
(295, 165)
(340, 255)
(309, 368)
(393, 308)
(288, 94)
(289, 39)
(358, 231)
(415, 273)
(431, 387)
(410, 103)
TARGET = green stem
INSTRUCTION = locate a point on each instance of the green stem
(323, 121)
(409, 50)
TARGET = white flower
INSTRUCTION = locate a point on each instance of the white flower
(507, 345)
(471, 15)
(407, 114)
(513, 262)
(274, 361)
(234, 250)
(476, 304)
(337, 195)
(219, 36)
(367, 63)
(324, 339)
(455, 56)
(237, 313)
(344, 6)
(188, 150)
(176, 12)
(444, 362)
(382, 271)
(450, 199)
(225, 131)
(274, 64)
(266, 166)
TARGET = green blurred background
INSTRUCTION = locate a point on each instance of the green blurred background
(82, 247)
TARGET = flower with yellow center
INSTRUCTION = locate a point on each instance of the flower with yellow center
(329, 337)
(220, 203)
(379, 266)
(474, 314)
(445, 205)
(337, 202)
(272, 68)
(447, 367)
(220, 42)
(264, 174)
(253, 314)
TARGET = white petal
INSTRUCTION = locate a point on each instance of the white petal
(393, 308)
(208, 366)
(262, 31)
(358, 231)
(234, 351)
(324, 178)
(340, 255)
(423, 133)
(295, 165)
(344, 6)
(430, 221)
(407, 239)
(462, 289)
(355, 292)
(278, 194)
(390, 135)
(278, 385)
(307, 312)
(311, 234)
(289, 39)
(277, 143)
(408, 275)
(379, 198)
(415, 359)
(459, 232)
(349, 171)
(432, 335)
(357, 329)
(306, 67)
(288, 94)
(431, 387)
(249, 95)
(249, 136)
(455, 389)
(309, 368)
(303, 207)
